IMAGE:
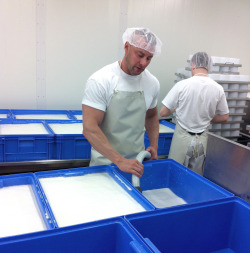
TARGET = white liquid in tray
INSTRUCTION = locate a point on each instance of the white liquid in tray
(79, 117)
(42, 116)
(21, 129)
(86, 198)
(19, 213)
(163, 197)
(165, 129)
(74, 128)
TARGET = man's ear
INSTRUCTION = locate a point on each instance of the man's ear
(126, 46)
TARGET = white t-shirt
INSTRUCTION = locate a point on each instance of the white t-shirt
(196, 99)
(100, 86)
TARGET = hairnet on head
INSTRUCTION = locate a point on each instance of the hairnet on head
(143, 38)
(201, 60)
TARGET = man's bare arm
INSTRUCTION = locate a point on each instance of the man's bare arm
(92, 119)
(220, 118)
(164, 112)
(152, 128)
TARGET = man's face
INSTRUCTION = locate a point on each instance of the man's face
(136, 60)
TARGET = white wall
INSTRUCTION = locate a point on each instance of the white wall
(17, 54)
(81, 36)
(219, 27)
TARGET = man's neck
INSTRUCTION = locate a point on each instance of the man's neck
(123, 67)
(199, 72)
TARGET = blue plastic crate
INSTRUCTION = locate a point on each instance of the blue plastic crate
(110, 236)
(70, 146)
(5, 114)
(184, 183)
(219, 226)
(42, 212)
(77, 114)
(41, 114)
(164, 141)
(143, 202)
(26, 147)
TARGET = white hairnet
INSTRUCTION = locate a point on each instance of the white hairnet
(143, 38)
(201, 60)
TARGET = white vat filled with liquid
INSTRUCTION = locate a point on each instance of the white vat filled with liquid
(78, 117)
(77, 197)
(22, 210)
(19, 212)
(42, 116)
(165, 129)
(72, 128)
(23, 129)
(25, 141)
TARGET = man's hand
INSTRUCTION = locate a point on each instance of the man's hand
(131, 166)
(153, 153)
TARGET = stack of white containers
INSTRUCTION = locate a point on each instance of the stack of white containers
(225, 72)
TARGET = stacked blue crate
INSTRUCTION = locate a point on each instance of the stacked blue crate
(38, 206)
(186, 185)
(26, 147)
(41, 114)
(62, 146)
(70, 145)
(5, 114)
(106, 236)
(77, 114)
(104, 169)
(213, 220)
(164, 141)
(219, 226)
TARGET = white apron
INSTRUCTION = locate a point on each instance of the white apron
(195, 156)
(123, 125)
(189, 150)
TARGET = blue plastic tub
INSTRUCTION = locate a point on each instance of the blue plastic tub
(164, 141)
(68, 195)
(77, 114)
(70, 146)
(219, 226)
(183, 185)
(41, 114)
(5, 114)
(26, 147)
(29, 201)
(110, 236)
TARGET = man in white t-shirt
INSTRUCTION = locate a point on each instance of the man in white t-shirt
(119, 101)
(197, 101)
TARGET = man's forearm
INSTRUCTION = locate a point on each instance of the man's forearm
(152, 128)
(220, 118)
(165, 112)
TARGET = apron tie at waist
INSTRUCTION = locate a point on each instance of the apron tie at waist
(196, 133)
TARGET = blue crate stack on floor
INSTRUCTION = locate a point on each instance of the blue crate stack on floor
(211, 219)
(54, 146)
(214, 221)
(26, 147)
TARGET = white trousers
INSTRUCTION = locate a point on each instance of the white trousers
(181, 141)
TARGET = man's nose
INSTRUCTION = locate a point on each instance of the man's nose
(144, 61)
